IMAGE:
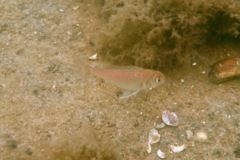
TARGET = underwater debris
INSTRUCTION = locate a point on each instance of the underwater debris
(160, 126)
(153, 137)
(160, 154)
(93, 57)
(177, 149)
(225, 70)
(170, 118)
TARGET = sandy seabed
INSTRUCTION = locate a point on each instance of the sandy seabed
(47, 110)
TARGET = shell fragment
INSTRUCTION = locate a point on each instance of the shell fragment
(160, 154)
(177, 149)
(93, 57)
(153, 137)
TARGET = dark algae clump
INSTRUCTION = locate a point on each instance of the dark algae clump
(237, 152)
(157, 33)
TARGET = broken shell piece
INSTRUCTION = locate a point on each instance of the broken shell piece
(93, 57)
(170, 118)
(160, 126)
(177, 149)
(160, 154)
(154, 136)
(149, 150)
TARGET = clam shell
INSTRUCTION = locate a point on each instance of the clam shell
(154, 136)
(170, 118)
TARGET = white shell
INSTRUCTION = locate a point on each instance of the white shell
(160, 154)
(149, 150)
(154, 136)
(93, 57)
(176, 149)
(170, 118)
(160, 126)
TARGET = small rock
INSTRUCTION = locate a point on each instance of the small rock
(200, 136)
(75, 8)
(194, 64)
(189, 134)
(29, 151)
(225, 70)
(12, 144)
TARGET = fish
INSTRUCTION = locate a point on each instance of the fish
(130, 79)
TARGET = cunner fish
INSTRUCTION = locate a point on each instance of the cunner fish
(132, 80)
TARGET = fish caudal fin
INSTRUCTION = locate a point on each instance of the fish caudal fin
(127, 94)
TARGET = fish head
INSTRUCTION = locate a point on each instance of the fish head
(157, 79)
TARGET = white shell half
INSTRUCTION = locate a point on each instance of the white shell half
(154, 136)
(177, 149)
(160, 154)
(170, 118)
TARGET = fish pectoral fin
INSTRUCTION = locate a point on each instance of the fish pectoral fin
(127, 94)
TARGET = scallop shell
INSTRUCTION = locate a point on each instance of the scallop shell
(170, 118)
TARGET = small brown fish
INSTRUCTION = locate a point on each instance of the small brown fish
(130, 79)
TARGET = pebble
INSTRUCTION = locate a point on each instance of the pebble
(75, 8)
(201, 136)
(61, 10)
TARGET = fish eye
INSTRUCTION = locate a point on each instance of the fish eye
(158, 80)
